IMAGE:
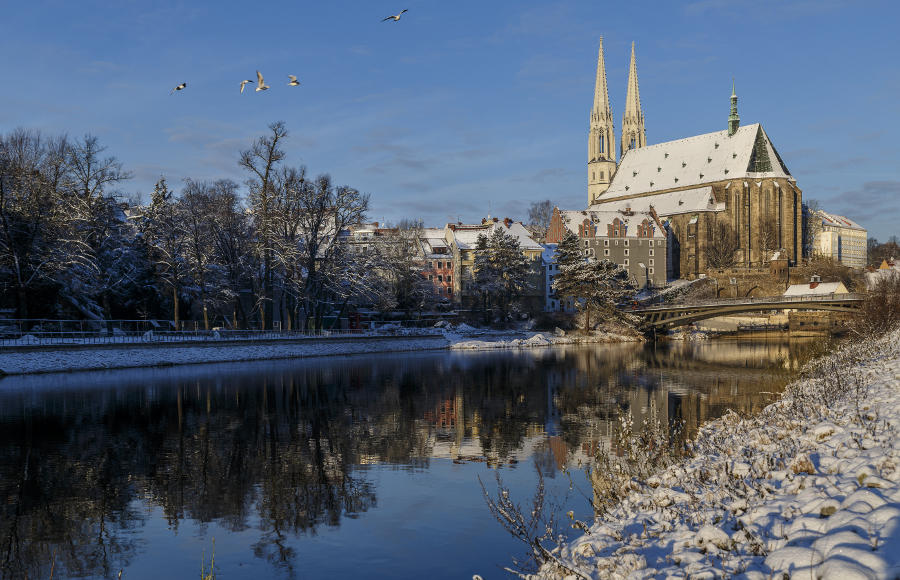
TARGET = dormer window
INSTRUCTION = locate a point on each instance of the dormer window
(717, 145)
(709, 159)
(676, 180)
(734, 155)
(701, 176)
(667, 155)
(634, 173)
(684, 164)
(658, 169)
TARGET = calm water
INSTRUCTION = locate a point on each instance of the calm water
(342, 467)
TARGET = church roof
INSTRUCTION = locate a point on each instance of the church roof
(601, 218)
(692, 200)
(696, 161)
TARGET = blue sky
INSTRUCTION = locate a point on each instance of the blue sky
(461, 108)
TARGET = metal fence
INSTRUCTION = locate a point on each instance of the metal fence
(23, 333)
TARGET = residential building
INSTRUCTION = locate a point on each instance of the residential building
(463, 239)
(437, 261)
(634, 240)
(840, 239)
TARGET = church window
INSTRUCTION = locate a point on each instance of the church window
(602, 143)
(601, 176)
(593, 175)
(631, 144)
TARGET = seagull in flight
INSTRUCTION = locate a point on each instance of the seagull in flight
(294, 82)
(178, 88)
(260, 83)
(243, 83)
(395, 17)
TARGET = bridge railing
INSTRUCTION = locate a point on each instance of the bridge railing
(850, 297)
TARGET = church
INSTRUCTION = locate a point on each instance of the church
(727, 189)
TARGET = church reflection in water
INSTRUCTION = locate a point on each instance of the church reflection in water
(282, 447)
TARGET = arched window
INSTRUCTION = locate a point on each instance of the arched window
(632, 143)
(602, 147)
(601, 176)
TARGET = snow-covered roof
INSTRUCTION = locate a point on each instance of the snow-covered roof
(816, 289)
(605, 216)
(695, 161)
(834, 220)
(467, 235)
(693, 200)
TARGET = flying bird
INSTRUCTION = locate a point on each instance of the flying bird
(243, 83)
(260, 83)
(395, 17)
(294, 82)
(178, 88)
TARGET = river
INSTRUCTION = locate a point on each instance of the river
(359, 466)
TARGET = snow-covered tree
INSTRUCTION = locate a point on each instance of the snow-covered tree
(594, 285)
(501, 270)
(31, 217)
(162, 226)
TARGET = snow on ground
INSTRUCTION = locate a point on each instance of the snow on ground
(538, 339)
(809, 488)
(46, 360)
(71, 357)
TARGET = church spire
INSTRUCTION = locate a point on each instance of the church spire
(601, 148)
(734, 121)
(633, 132)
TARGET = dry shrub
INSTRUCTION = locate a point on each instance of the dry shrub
(880, 312)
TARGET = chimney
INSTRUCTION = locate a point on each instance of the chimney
(375, 224)
(496, 220)
(452, 227)
(815, 279)
(507, 222)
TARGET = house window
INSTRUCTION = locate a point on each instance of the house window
(605, 252)
(626, 263)
(440, 265)
(651, 271)
(651, 252)
(448, 279)
(606, 242)
(440, 278)
(651, 243)
(449, 291)
(431, 265)
(585, 243)
(651, 261)
(430, 277)
(617, 242)
(626, 252)
(449, 265)
(626, 242)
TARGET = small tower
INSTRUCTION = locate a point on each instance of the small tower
(601, 150)
(633, 133)
(734, 121)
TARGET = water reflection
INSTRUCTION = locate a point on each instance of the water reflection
(282, 450)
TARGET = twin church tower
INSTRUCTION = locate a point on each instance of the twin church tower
(601, 145)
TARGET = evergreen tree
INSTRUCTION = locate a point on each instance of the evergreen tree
(501, 270)
(594, 285)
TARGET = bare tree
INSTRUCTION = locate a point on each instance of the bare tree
(768, 240)
(721, 245)
(261, 160)
(31, 219)
(811, 226)
(230, 236)
(539, 214)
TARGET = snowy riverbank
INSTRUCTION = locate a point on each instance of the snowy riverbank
(809, 488)
(27, 358)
